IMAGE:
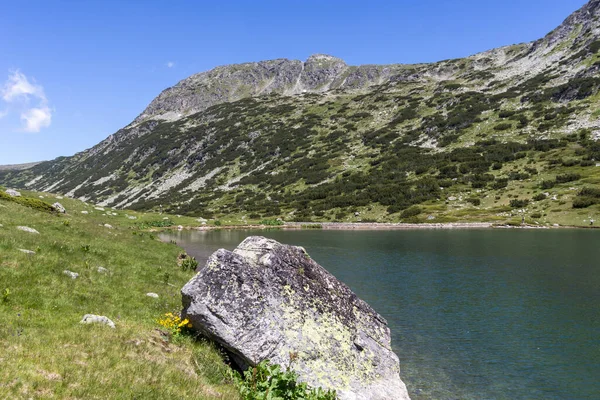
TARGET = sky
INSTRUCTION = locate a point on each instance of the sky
(73, 72)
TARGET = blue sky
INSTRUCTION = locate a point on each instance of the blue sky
(74, 72)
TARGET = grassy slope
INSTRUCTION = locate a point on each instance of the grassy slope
(46, 353)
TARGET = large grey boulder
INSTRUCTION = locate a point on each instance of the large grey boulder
(267, 300)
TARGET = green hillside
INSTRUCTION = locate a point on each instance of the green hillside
(47, 353)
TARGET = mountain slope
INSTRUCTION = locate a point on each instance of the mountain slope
(472, 138)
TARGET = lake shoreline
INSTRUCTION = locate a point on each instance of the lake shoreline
(376, 226)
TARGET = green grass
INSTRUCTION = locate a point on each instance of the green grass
(47, 353)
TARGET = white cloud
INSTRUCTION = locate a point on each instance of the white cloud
(37, 118)
(20, 92)
(170, 64)
(18, 86)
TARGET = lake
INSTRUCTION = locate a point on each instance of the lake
(474, 314)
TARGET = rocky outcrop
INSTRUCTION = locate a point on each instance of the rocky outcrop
(13, 193)
(267, 300)
(229, 83)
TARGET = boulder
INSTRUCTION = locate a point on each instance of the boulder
(27, 229)
(59, 207)
(28, 252)
(267, 300)
(12, 193)
(97, 319)
(71, 274)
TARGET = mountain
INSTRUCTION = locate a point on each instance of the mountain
(514, 128)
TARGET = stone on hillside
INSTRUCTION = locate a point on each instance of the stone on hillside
(99, 208)
(13, 193)
(85, 212)
(59, 197)
(59, 207)
(153, 295)
(29, 252)
(108, 226)
(266, 300)
(27, 229)
(71, 274)
(97, 319)
(102, 270)
(131, 217)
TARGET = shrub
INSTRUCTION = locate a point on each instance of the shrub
(411, 212)
(539, 197)
(516, 203)
(547, 184)
(567, 178)
(268, 381)
(500, 183)
(475, 201)
(536, 215)
(503, 126)
(186, 262)
(584, 202)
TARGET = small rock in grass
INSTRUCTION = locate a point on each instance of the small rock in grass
(99, 208)
(165, 218)
(59, 197)
(59, 207)
(71, 274)
(131, 217)
(153, 295)
(108, 226)
(84, 212)
(97, 319)
(27, 229)
(13, 193)
(102, 270)
(30, 252)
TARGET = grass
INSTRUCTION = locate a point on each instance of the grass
(47, 353)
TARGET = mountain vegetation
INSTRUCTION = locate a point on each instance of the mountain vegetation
(506, 134)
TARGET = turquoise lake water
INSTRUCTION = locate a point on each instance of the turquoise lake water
(474, 314)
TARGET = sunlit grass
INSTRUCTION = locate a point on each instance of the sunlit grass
(47, 353)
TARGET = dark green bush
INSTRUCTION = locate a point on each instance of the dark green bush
(475, 201)
(516, 203)
(567, 178)
(503, 126)
(411, 212)
(539, 197)
(547, 184)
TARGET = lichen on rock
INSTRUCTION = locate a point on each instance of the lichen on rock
(270, 301)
